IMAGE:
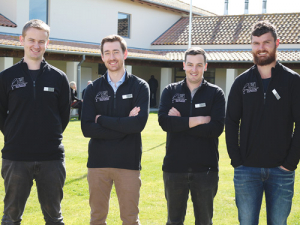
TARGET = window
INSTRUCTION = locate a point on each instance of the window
(38, 9)
(209, 75)
(124, 25)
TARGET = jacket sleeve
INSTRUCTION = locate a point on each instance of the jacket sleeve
(170, 123)
(232, 124)
(215, 127)
(134, 124)
(88, 126)
(3, 103)
(292, 159)
(64, 102)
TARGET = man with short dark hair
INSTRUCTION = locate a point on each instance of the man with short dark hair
(263, 109)
(115, 111)
(192, 113)
(34, 112)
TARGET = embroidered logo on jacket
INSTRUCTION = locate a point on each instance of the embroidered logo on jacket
(102, 96)
(250, 87)
(18, 83)
(178, 98)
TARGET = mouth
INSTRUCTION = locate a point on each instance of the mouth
(112, 63)
(35, 51)
(262, 53)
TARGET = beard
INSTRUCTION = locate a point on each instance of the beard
(263, 61)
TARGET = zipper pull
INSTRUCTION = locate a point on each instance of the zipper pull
(265, 94)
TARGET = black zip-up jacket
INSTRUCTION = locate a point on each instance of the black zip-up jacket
(192, 149)
(115, 138)
(33, 114)
(259, 129)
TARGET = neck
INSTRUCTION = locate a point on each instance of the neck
(265, 71)
(115, 76)
(192, 86)
(33, 64)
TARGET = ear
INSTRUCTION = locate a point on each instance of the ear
(205, 68)
(183, 65)
(21, 39)
(47, 43)
(277, 42)
(125, 54)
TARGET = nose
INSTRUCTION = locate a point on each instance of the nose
(111, 56)
(36, 44)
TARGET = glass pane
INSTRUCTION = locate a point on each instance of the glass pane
(123, 24)
(38, 9)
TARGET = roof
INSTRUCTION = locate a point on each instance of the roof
(68, 47)
(176, 6)
(238, 56)
(232, 29)
(5, 22)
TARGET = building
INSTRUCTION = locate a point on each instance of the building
(156, 32)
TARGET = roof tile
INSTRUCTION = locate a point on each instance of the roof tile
(5, 22)
(236, 29)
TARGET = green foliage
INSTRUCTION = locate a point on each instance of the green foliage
(153, 210)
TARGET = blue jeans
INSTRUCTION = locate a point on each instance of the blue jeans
(18, 179)
(251, 182)
(203, 187)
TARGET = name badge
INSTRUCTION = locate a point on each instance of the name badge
(127, 96)
(200, 105)
(50, 89)
(276, 94)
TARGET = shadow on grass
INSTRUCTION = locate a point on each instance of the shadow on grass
(150, 149)
(76, 179)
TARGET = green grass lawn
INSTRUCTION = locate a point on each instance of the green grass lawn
(153, 210)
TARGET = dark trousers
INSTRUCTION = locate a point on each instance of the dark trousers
(203, 187)
(18, 179)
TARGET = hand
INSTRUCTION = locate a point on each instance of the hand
(204, 119)
(284, 168)
(135, 111)
(97, 118)
(174, 112)
(198, 120)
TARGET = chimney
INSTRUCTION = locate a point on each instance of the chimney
(246, 6)
(264, 7)
(226, 8)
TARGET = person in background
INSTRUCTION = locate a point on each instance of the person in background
(153, 85)
(76, 102)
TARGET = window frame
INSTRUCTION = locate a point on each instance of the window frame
(129, 24)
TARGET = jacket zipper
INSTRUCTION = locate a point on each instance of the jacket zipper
(34, 89)
(115, 100)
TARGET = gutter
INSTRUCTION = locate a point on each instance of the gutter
(79, 75)
(172, 7)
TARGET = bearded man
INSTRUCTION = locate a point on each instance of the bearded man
(262, 131)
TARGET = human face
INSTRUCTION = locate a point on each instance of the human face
(35, 44)
(194, 68)
(264, 49)
(113, 56)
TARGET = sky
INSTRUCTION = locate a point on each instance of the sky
(236, 7)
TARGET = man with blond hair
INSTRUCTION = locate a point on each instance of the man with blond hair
(115, 111)
(34, 111)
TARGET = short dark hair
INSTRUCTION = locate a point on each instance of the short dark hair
(195, 51)
(38, 24)
(263, 27)
(113, 38)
